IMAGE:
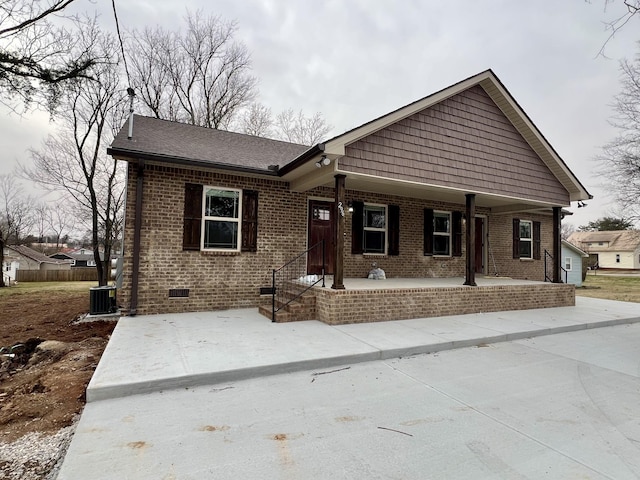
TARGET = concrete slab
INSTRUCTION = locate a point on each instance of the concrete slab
(540, 408)
(161, 352)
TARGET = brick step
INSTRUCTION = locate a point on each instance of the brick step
(291, 312)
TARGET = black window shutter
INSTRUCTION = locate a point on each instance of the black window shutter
(394, 230)
(536, 240)
(357, 225)
(249, 221)
(192, 217)
(516, 238)
(457, 234)
(428, 231)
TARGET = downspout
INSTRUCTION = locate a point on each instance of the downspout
(557, 245)
(137, 228)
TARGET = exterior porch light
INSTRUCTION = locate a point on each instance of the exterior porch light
(581, 204)
(350, 206)
(323, 162)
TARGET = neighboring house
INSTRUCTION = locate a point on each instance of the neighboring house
(458, 184)
(572, 258)
(80, 258)
(25, 258)
(614, 249)
(9, 266)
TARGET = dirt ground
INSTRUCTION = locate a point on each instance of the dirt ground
(44, 376)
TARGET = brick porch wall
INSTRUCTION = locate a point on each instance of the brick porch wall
(337, 307)
(231, 280)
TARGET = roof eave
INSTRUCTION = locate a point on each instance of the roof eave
(301, 159)
(133, 155)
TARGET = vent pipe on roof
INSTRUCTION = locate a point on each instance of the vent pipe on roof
(132, 94)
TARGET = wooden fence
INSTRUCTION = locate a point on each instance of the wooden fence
(73, 275)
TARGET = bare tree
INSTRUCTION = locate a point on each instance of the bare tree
(256, 120)
(627, 10)
(15, 214)
(566, 229)
(37, 57)
(74, 159)
(60, 221)
(620, 160)
(199, 77)
(40, 216)
(298, 128)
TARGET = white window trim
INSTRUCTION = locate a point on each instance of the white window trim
(442, 234)
(374, 229)
(568, 261)
(530, 240)
(238, 220)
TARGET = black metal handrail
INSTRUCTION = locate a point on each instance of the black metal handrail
(293, 272)
(548, 278)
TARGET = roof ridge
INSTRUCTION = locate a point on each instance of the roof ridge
(231, 132)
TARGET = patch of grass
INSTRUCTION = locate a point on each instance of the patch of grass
(29, 287)
(609, 287)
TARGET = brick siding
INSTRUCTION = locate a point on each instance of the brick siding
(232, 280)
(359, 306)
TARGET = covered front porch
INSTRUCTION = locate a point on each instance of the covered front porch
(364, 300)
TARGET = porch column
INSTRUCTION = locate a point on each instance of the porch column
(557, 245)
(338, 223)
(470, 237)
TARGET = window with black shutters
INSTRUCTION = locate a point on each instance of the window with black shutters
(220, 219)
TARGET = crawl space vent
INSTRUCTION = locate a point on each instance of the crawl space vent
(178, 292)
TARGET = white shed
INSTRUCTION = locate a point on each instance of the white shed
(572, 262)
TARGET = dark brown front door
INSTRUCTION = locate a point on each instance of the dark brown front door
(320, 228)
(479, 245)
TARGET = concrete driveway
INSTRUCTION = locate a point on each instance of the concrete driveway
(555, 406)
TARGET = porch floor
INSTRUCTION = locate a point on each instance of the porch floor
(444, 282)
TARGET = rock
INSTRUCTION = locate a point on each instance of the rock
(50, 350)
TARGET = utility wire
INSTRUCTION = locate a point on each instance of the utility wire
(124, 57)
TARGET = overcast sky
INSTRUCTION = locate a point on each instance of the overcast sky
(354, 60)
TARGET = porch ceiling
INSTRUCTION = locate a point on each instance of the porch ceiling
(309, 176)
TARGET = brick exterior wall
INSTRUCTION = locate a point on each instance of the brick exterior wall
(232, 280)
(359, 306)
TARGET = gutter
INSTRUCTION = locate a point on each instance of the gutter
(137, 228)
(302, 159)
(126, 154)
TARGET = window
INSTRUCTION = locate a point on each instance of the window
(526, 239)
(617, 258)
(529, 233)
(567, 264)
(441, 233)
(221, 219)
(375, 229)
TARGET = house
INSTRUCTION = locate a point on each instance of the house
(572, 258)
(25, 258)
(9, 266)
(79, 258)
(615, 249)
(448, 195)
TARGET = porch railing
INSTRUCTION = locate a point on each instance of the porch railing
(548, 271)
(294, 274)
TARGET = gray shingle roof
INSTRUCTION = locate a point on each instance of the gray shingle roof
(33, 254)
(183, 143)
(619, 240)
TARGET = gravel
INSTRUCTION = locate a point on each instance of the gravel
(35, 456)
